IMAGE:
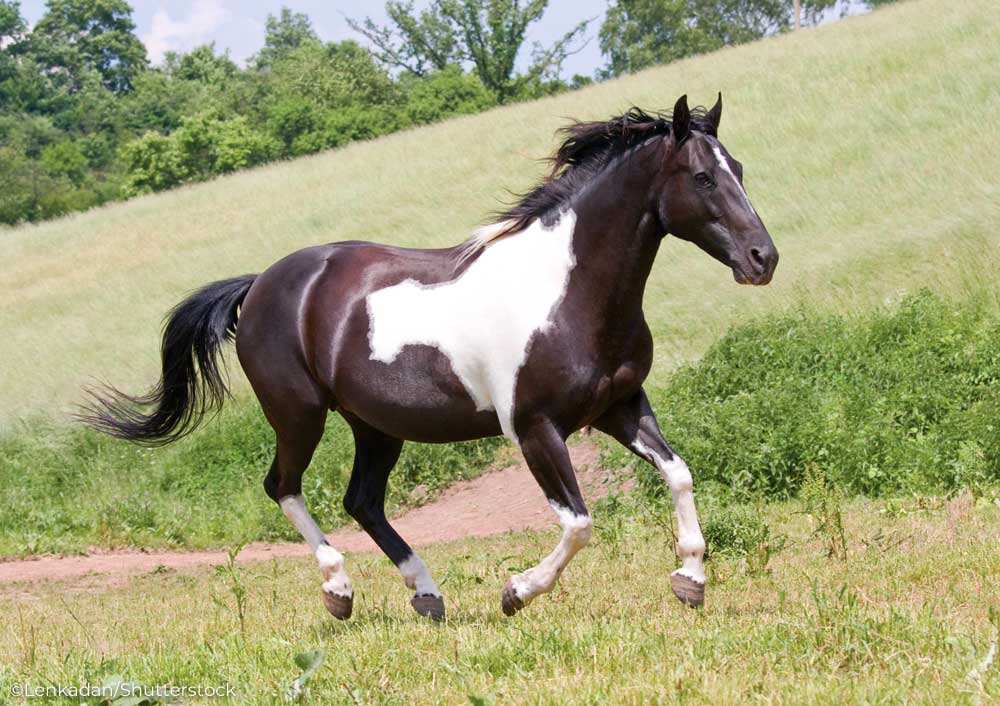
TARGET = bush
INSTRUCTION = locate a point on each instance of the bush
(905, 400)
(444, 94)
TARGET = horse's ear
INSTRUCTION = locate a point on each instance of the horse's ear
(682, 119)
(715, 115)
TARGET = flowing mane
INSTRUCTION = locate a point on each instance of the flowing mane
(586, 150)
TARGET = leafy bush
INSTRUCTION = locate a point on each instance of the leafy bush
(740, 532)
(904, 400)
(444, 94)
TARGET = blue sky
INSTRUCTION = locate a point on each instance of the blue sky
(238, 25)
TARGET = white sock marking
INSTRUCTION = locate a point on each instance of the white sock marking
(542, 578)
(482, 321)
(294, 507)
(417, 576)
(690, 543)
(331, 562)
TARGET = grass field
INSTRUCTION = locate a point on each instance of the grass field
(870, 149)
(905, 619)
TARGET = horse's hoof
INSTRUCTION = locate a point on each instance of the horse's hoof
(429, 606)
(688, 591)
(340, 607)
(509, 600)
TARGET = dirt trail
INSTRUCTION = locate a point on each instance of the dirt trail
(495, 502)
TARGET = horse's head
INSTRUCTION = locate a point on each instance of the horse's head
(702, 198)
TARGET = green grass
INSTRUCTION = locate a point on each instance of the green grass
(204, 491)
(870, 149)
(905, 619)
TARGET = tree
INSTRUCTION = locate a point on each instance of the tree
(283, 34)
(12, 25)
(489, 34)
(201, 64)
(76, 36)
(640, 33)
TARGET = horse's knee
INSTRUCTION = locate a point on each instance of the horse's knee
(271, 487)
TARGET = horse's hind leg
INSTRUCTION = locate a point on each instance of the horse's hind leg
(299, 428)
(375, 456)
(545, 451)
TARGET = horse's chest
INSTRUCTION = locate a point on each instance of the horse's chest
(484, 320)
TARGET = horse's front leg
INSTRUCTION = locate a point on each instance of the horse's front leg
(545, 451)
(633, 424)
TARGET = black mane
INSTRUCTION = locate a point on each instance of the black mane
(586, 149)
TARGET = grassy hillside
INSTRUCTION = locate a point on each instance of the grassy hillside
(870, 148)
(906, 619)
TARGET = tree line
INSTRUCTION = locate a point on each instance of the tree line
(85, 118)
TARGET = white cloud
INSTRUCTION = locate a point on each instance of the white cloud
(167, 34)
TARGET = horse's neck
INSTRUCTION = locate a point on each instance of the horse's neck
(615, 243)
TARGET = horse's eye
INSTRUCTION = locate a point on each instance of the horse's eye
(704, 180)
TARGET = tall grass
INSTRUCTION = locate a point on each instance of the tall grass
(870, 149)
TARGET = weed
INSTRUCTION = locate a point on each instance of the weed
(823, 503)
(741, 532)
(231, 573)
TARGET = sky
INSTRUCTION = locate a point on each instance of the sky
(181, 25)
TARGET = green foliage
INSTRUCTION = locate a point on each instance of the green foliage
(740, 532)
(65, 159)
(202, 491)
(824, 504)
(153, 163)
(77, 36)
(284, 34)
(446, 93)
(901, 400)
(489, 34)
(202, 65)
(93, 122)
(640, 33)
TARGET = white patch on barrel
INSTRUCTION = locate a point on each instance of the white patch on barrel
(724, 164)
(484, 320)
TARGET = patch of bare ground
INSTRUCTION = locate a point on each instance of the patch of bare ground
(500, 500)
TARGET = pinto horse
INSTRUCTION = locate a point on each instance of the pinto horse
(533, 328)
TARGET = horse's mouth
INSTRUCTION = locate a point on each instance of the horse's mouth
(756, 279)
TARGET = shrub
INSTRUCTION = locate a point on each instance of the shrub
(901, 400)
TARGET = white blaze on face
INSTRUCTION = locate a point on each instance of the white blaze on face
(724, 164)
(484, 320)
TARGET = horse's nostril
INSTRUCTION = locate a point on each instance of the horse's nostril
(757, 257)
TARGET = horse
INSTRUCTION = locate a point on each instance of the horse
(532, 328)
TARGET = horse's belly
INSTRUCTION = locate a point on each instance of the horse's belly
(417, 396)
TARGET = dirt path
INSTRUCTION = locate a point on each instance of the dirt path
(495, 502)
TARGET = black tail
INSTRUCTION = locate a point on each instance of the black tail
(192, 384)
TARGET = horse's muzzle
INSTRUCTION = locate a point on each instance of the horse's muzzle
(759, 266)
